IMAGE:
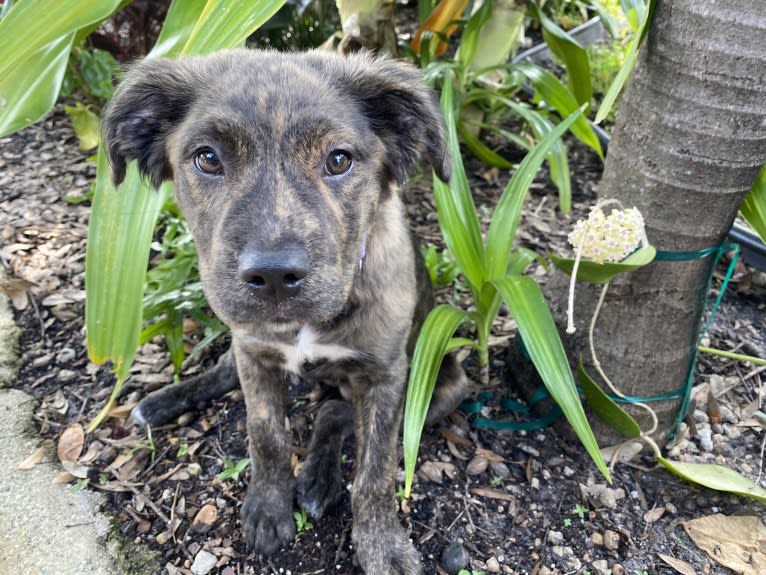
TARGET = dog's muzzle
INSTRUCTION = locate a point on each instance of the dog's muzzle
(277, 274)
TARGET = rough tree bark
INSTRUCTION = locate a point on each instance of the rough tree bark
(689, 140)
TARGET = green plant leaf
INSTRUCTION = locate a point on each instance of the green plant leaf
(454, 204)
(470, 38)
(119, 236)
(561, 99)
(558, 161)
(571, 54)
(30, 27)
(86, 124)
(715, 477)
(520, 258)
(753, 209)
(627, 66)
(502, 229)
(595, 273)
(177, 27)
(433, 342)
(227, 24)
(203, 26)
(28, 92)
(525, 300)
(481, 151)
(605, 407)
(496, 36)
(37, 38)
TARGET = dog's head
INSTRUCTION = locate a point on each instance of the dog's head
(280, 161)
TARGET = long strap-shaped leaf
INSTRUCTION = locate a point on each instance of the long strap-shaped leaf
(571, 53)
(541, 339)
(561, 99)
(36, 40)
(119, 237)
(753, 209)
(434, 341)
(42, 22)
(454, 203)
(502, 229)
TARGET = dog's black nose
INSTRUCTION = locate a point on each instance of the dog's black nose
(277, 274)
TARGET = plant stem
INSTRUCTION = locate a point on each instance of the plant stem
(731, 355)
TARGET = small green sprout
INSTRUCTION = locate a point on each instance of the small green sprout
(302, 522)
(183, 450)
(232, 470)
(148, 445)
(580, 511)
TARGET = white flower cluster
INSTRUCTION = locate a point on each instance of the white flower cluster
(611, 238)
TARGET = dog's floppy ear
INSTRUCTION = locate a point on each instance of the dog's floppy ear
(150, 102)
(405, 113)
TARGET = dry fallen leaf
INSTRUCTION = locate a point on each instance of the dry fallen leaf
(476, 466)
(737, 542)
(16, 289)
(35, 458)
(434, 471)
(488, 454)
(492, 493)
(654, 514)
(74, 468)
(71, 442)
(678, 564)
(454, 437)
(453, 449)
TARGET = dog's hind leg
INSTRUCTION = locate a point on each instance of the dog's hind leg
(320, 485)
(169, 402)
(451, 388)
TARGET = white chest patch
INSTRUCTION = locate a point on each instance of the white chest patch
(306, 349)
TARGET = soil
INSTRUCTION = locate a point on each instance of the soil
(522, 502)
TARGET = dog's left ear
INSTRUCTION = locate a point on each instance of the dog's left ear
(405, 113)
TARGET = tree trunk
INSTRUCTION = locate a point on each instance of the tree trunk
(689, 140)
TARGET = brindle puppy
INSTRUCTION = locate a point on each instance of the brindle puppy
(286, 168)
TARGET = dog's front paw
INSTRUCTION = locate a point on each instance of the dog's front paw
(268, 521)
(385, 550)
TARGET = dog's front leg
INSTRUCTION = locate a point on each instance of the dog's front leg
(382, 545)
(267, 510)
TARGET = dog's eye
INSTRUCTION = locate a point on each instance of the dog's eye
(338, 163)
(208, 162)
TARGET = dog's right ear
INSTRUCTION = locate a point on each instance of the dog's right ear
(151, 101)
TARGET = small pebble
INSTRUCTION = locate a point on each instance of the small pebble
(608, 499)
(66, 355)
(454, 558)
(611, 540)
(601, 567)
(555, 537)
(705, 439)
(66, 375)
(493, 565)
(204, 563)
(700, 416)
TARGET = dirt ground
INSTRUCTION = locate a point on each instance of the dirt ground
(490, 501)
